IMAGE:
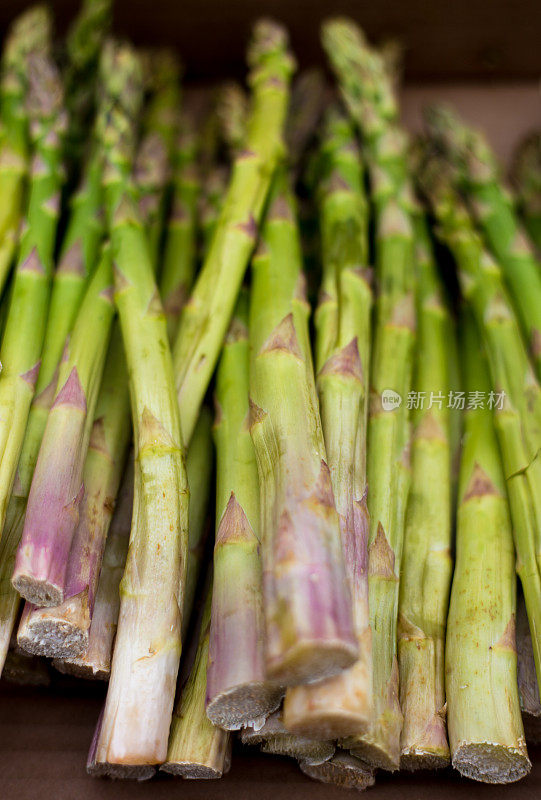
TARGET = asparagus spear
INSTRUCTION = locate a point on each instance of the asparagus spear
(308, 614)
(527, 181)
(274, 738)
(369, 98)
(179, 258)
(238, 693)
(57, 485)
(84, 41)
(152, 587)
(206, 316)
(427, 566)
(62, 630)
(95, 661)
(478, 174)
(342, 770)
(518, 415)
(153, 164)
(30, 33)
(485, 727)
(25, 323)
(342, 706)
(197, 748)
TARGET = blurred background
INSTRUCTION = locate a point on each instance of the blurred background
(484, 57)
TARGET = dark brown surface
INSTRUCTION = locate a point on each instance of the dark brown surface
(44, 738)
(450, 40)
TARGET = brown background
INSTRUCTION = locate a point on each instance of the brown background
(483, 56)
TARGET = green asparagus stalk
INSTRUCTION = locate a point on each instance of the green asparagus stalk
(180, 252)
(369, 98)
(206, 317)
(57, 485)
(341, 706)
(518, 410)
(483, 711)
(84, 41)
(309, 632)
(30, 33)
(153, 164)
(197, 748)
(426, 570)
(527, 182)
(342, 770)
(478, 174)
(153, 584)
(274, 738)
(238, 693)
(25, 323)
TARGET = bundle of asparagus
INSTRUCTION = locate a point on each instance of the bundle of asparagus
(330, 575)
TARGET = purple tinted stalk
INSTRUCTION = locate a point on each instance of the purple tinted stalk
(57, 486)
(95, 661)
(308, 611)
(238, 692)
(63, 631)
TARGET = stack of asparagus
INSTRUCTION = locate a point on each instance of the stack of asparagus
(152, 250)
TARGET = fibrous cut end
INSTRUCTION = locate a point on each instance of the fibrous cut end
(41, 593)
(192, 771)
(244, 705)
(423, 759)
(60, 632)
(52, 638)
(376, 756)
(342, 770)
(491, 763)
(141, 772)
(311, 751)
(307, 661)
